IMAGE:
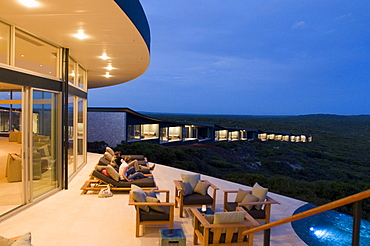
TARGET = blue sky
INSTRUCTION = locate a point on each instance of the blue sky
(252, 57)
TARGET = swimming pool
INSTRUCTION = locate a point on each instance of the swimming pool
(329, 228)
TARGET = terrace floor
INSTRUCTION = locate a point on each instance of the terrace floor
(71, 218)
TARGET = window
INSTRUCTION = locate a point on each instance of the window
(34, 54)
(4, 43)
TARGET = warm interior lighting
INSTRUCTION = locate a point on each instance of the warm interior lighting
(80, 34)
(29, 3)
(109, 67)
(107, 75)
(73, 73)
(104, 56)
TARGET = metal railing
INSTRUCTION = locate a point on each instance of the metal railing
(357, 213)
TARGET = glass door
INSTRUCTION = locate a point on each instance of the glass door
(44, 142)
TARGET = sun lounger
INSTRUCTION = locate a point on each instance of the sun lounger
(98, 181)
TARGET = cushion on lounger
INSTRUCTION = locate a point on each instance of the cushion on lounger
(109, 150)
(144, 182)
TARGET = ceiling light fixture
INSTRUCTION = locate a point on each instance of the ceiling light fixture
(80, 34)
(109, 67)
(107, 75)
(29, 3)
(104, 56)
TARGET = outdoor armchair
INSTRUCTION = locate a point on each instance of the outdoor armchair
(185, 196)
(223, 228)
(149, 210)
(260, 210)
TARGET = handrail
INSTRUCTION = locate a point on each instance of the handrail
(338, 203)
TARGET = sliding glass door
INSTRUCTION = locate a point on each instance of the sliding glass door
(44, 141)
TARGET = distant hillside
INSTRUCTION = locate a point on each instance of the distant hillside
(334, 165)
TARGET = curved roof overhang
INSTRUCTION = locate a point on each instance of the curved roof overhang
(107, 25)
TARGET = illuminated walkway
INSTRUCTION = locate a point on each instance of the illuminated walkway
(76, 219)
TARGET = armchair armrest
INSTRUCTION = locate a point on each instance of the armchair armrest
(211, 185)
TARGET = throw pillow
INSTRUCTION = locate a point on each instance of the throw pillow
(229, 217)
(259, 192)
(24, 240)
(103, 161)
(191, 178)
(155, 208)
(5, 241)
(100, 168)
(112, 173)
(108, 156)
(201, 188)
(104, 171)
(151, 193)
(249, 198)
(109, 150)
(240, 195)
(186, 188)
(139, 196)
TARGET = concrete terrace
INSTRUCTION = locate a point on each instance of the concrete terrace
(77, 219)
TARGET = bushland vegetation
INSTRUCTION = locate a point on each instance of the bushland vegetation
(333, 166)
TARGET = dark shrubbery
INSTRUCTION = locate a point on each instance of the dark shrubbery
(333, 166)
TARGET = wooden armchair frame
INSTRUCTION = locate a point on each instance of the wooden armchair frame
(179, 196)
(200, 220)
(153, 222)
(266, 205)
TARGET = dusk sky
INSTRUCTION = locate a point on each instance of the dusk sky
(249, 57)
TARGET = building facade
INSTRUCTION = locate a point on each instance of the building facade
(51, 53)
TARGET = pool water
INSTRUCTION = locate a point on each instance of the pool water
(329, 228)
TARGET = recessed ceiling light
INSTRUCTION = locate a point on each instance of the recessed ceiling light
(107, 75)
(104, 56)
(80, 34)
(109, 67)
(29, 3)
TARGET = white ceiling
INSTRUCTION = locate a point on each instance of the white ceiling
(108, 28)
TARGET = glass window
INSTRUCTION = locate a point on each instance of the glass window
(133, 132)
(81, 77)
(81, 131)
(45, 127)
(71, 159)
(164, 134)
(72, 65)
(175, 133)
(150, 131)
(4, 42)
(35, 55)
